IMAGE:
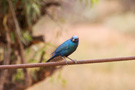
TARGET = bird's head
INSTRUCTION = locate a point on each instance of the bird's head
(75, 39)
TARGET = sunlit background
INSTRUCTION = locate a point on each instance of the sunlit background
(105, 29)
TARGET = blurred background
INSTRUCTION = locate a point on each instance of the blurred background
(106, 28)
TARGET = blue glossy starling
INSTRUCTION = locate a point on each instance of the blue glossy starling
(66, 48)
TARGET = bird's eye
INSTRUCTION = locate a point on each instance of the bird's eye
(74, 40)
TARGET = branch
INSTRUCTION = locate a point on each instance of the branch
(18, 30)
(21, 48)
(69, 63)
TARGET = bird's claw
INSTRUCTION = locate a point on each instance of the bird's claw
(75, 61)
(72, 60)
(66, 62)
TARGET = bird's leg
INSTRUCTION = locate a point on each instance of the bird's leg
(72, 60)
(65, 60)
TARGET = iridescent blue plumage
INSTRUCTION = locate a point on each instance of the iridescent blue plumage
(66, 48)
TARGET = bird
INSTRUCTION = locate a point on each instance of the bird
(65, 49)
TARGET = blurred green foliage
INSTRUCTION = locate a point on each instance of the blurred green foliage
(19, 76)
(89, 2)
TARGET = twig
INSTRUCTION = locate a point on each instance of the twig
(55, 3)
(42, 56)
(18, 29)
(69, 62)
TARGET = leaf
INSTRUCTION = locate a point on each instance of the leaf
(27, 36)
(19, 76)
(36, 8)
(86, 2)
(93, 1)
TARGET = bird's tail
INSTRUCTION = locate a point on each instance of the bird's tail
(51, 58)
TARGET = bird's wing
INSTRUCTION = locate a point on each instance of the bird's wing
(63, 46)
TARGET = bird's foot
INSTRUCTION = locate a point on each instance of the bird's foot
(72, 60)
(65, 60)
